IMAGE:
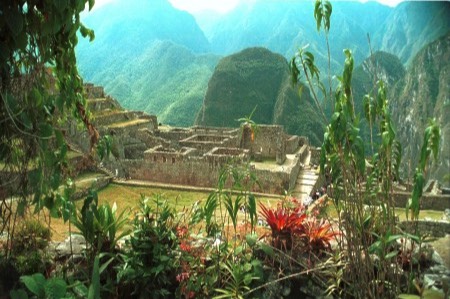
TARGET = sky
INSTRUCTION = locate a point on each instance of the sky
(221, 6)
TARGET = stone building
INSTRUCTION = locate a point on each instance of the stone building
(192, 156)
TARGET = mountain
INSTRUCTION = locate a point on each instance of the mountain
(150, 56)
(153, 57)
(412, 25)
(423, 93)
(283, 26)
(166, 80)
(257, 77)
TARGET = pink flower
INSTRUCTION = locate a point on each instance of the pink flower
(182, 276)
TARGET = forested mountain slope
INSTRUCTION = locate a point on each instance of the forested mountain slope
(153, 57)
(150, 56)
(423, 93)
(411, 26)
(259, 78)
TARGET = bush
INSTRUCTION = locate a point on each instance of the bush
(32, 235)
(28, 247)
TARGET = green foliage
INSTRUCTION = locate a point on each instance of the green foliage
(104, 147)
(101, 226)
(40, 88)
(430, 146)
(30, 236)
(94, 288)
(150, 264)
(29, 246)
(238, 281)
(322, 14)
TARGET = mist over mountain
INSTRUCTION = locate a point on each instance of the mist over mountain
(283, 26)
(257, 79)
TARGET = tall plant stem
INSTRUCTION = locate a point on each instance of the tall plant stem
(316, 99)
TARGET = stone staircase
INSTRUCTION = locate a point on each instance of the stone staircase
(306, 180)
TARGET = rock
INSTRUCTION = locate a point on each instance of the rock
(436, 258)
(64, 249)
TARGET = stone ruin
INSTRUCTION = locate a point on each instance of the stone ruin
(190, 156)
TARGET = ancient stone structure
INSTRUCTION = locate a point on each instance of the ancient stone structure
(192, 156)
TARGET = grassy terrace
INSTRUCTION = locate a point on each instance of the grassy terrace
(127, 197)
(129, 123)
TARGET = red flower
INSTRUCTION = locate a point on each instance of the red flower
(318, 234)
(184, 246)
(283, 220)
(182, 231)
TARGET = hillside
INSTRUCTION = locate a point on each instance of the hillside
(411, 26)
(423, 93)
(283, 26)
(258, 78)
(153, 57)
(149, 58)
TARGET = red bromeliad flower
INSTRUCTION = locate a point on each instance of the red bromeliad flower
(317, 234)
(283, 220)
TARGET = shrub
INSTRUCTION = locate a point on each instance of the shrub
(32, 235)
(28, 247)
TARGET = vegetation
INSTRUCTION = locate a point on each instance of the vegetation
(212, 250)
(258, 77)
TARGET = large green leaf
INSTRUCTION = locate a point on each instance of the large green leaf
(35, 284)
(55, 288)
(94, 288)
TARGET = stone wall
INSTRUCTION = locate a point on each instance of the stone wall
(116, 117)
(427, 202)
(174, 135)
(272, 181)
(205, 143)
(188, 170)
(301, 156)
(436, 229)
(94, 92)
(292, 144)
(103, 104)
(315, 155)
(214, 131)
(268, 140)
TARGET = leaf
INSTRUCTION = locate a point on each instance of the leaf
(18, 294)
(248, 278)
(55, 288)
(34, 283)
(60, 5)
(91, 4)
(45, 130)
(94, 288)
(267, 249)
(14, 19)
(391, 255)
(251, 239)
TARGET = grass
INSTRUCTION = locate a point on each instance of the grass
(128, 123)
(127, 197)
